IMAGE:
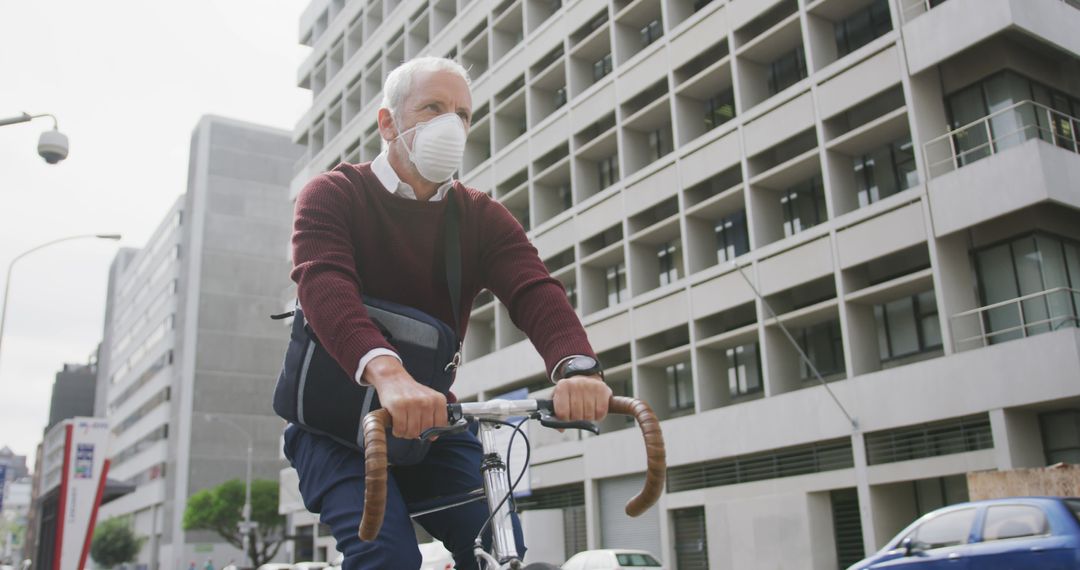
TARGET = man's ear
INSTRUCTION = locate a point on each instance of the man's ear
(387, 128)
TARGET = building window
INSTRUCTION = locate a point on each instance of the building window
(658, 143)
(744, 370)
(691, 540)
(862, 27)
(566, 197)
(719, 109)
(608, 170)
(680, 388)
(602, 67)
(932, 494)
(560, 97)
(885, 171)
(1008, 128)
(1061, 436)
(732, 237)
(787, 70)
(669, 262)
(1025, 266)
(803, 206)
(908, 326)
(825, 349)
(651, 32)
(615, 280)
(571, 294)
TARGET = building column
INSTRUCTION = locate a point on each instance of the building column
(862, 486)
(1017, 439)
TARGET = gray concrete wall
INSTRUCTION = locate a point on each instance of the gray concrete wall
(238, 225)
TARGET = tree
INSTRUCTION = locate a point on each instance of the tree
(115, 543)
(220, 509)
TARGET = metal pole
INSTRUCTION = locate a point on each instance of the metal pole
(247, 508)
(1023, 324)
(11, 265)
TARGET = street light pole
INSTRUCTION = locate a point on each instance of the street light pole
(247, 526)
(7, 279)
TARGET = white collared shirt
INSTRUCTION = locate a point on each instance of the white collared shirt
(393, 184)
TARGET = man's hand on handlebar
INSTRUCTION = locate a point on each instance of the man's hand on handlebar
(581, 398)
(413, 407)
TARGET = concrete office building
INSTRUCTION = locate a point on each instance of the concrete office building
(190, 356)
(73, 392)
(896, 178)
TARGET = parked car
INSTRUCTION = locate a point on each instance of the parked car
(612, 559)
(275, 566)
(435, 556)
(311, 566)
(1020, 532)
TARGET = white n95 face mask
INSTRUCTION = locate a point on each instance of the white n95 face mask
(437, 147)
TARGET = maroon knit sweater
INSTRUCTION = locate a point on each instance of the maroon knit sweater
(351, 237)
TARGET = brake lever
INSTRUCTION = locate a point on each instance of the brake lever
(456, 427)
(550, 421)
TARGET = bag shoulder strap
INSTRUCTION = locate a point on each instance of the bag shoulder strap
(452, 239)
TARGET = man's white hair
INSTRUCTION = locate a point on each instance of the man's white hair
(399, 81)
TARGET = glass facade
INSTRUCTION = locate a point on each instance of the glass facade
(669, 259)
(996, 94)
(732, 236)
(743, 370)
(680, 388)
(608, 171)
(885, 171)
(862, 27)
(1061, 436)
(1026, 266)
(602, 67)
(787, 70)
(823, 346)
(616, 284)
(651, 32)
(908, 326)
(803, 206)
(719, 109)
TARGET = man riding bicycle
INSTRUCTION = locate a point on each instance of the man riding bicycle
(373, 230)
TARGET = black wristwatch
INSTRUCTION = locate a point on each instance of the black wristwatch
(580, 366)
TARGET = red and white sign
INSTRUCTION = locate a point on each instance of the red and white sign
(82, 483)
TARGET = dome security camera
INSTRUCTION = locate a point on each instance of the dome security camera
(53, 146)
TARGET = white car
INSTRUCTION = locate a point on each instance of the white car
(311, 565)
(276, 566)
(613, 559)
(435, 556)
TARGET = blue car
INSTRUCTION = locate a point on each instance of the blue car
(999, 534)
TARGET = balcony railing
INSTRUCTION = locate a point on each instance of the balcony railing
(1017, 318)
(998, 131)
(911, 9)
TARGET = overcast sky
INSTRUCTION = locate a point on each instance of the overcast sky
(128, 81)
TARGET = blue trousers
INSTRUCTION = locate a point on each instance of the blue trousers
(332, 485)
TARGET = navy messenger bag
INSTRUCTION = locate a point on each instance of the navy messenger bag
(315, 393)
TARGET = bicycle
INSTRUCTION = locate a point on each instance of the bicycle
(498, 489)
